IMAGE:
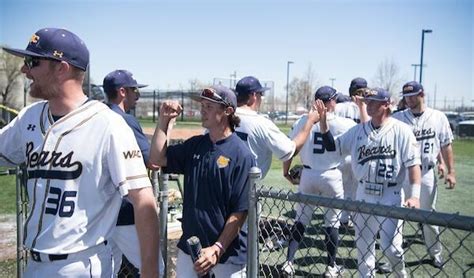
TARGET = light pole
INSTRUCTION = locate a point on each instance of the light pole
(415, 66)
(414, 74)
(287, 88)
(332, 81)
(423, 31)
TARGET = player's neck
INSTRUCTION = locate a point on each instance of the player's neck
(67, 101)
(419, 109)
(219, 133)
(249, 107)
(378, 122)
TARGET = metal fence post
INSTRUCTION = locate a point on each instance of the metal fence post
(163, 199)
(20, 213)
(252, 240)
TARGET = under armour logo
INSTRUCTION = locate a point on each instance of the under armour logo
(31, 127)
(57, 54)
(196, 156)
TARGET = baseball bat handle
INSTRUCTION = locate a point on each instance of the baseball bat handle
(194, 246)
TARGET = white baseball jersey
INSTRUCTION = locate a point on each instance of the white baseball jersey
(313, 153)
(431, 130)
(348, 110)
(380, 155)
(79, 167)
(263, 138)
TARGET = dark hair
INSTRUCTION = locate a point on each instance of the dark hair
(242, 99)
(111, 95)
(234, 121)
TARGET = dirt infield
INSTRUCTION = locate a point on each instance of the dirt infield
(177, 133)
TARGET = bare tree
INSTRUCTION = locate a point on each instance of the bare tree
(301, 89)
(388, 76)
(12, 81)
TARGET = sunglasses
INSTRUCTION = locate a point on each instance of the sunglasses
(212, 95)
(31, 62)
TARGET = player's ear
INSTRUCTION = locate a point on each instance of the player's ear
(121, 92)
(228, 110)
(62, 67)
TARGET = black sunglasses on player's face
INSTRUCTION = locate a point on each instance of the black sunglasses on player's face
(31, 62)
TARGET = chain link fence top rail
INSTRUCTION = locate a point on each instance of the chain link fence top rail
(276, 218)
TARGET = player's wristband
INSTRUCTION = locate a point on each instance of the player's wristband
(415, 190)
(218, 244)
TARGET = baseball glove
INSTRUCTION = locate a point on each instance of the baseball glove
(295, 173)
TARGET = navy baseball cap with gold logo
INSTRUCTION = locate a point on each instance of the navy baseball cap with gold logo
(57, 44)
(412, 88)
(118, 79)
(356, 84)
(248, 85)
(325, 93)
(377, 94)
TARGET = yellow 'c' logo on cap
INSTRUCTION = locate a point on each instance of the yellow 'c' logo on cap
(34, 38)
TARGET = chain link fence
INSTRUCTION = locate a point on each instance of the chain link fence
(272, 226)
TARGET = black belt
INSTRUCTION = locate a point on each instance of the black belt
(389, 184)
(429, 167)
(308, 167)
(35, 255)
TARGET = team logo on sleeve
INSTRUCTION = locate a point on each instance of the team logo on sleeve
(132, 154)
(61, 165)
(374, 153)
(222, 161)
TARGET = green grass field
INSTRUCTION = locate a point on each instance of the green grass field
(458, 200)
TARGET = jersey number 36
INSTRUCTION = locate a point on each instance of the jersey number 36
(60, 202)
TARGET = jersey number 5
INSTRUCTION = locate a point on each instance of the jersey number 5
(318, 143)
(60, 202)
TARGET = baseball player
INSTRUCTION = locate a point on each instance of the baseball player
(216, 171)
(122, 95)
(350, 109)
(320, 176)
(434, 136)
(383, 151)
(81, 159)
(261, 134)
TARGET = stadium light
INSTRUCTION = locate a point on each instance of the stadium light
(423, 31)
(287, 88)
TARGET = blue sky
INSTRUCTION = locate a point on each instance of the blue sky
(167, 43)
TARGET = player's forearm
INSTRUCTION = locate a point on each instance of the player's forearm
(414, 177)
(231, 229)
(159, 143)
(146, 220)
(301, 137)
(448, 157)
(286, 167)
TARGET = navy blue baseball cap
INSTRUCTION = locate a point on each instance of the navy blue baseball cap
(378, 94)
(219, 94)
(356, 84)
(412, 88)
(325, 93)
(56, 44)
(118, 79)
(248, 85)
